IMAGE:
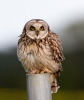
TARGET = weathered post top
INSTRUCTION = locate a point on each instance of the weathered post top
(38, 87)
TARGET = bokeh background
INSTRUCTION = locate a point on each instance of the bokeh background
(66, 18)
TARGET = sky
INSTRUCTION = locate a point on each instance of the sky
(15, 13)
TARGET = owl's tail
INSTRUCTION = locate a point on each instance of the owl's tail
(54, 78)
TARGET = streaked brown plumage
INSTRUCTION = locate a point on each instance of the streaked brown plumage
(40, 51)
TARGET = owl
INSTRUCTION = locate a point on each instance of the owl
(40, 51)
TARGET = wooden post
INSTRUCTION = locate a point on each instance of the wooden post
(38, 87)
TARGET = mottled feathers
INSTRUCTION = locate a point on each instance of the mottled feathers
(40, 51)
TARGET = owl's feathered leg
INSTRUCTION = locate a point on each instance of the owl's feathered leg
(46, 70)
(55, 81)
(34, 72)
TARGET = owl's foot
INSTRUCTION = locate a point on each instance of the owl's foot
(46, 70)
(34, 72)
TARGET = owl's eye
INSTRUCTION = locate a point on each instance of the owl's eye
(32, 28)
(41, 28)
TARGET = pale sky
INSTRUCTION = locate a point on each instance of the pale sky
(15, 13)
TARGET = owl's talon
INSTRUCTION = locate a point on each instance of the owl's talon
(37, 72)
(46, 71)
(34, 72)
(42, 72)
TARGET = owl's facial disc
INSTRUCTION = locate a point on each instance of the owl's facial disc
(37, 30)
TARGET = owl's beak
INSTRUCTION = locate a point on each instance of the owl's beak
(37, 32)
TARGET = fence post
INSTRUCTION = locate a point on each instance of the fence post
(38, 87)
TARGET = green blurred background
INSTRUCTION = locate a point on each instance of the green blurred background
(69, 27)
(13, 76)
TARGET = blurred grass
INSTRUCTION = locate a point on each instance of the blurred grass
(13, 94)
(21, 94)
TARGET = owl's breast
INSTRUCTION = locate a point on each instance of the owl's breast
(30, 57)
(36, 57)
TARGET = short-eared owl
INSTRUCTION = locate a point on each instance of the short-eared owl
(40, 51)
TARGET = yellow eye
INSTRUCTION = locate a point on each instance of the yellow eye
(32, 28)
(41, 28)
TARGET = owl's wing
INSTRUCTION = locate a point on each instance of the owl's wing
(56, 48)
(57, 56)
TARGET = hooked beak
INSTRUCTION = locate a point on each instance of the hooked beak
(37, 32)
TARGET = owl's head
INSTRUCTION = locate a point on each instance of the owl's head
(36, 29)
